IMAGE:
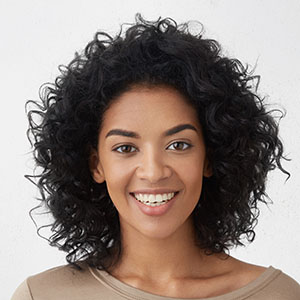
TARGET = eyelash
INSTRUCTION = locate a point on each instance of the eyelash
(125, 145)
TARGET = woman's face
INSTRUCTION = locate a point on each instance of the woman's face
(151, 149)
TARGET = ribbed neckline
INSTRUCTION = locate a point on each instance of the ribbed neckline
(130, 292)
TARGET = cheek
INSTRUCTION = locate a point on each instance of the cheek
(117, 177)
(192, 172)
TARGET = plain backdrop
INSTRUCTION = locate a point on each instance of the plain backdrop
(37, 36)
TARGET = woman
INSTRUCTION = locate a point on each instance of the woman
(154, 151)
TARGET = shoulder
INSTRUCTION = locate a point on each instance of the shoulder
(66, 275)
(260, 283)
(282, 286)
(62, 282)
(22, 292)
(273, 284)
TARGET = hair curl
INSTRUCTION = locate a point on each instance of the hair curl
(240, 135)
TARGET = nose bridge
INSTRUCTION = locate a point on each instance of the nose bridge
(153, 165)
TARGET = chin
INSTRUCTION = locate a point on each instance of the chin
(159, 231)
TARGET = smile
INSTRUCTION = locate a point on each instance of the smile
(154, 199)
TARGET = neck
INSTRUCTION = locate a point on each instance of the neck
(161, 259)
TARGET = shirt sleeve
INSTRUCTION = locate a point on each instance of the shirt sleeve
(22, 292)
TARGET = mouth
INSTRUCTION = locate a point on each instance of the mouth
(154, 200)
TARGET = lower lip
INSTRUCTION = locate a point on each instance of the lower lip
(155, 210)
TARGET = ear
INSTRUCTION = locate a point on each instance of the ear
(95, 166)
(207, 169)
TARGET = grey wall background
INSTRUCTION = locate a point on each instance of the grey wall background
(37, 36)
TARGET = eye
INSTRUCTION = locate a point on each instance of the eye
(124, 149)
(181, 146)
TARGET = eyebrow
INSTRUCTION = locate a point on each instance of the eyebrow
(135, 135)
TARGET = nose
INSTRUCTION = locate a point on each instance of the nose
(153, 167)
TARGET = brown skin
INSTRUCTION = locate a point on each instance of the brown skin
(159, 254)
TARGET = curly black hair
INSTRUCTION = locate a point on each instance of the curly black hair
(241, 136)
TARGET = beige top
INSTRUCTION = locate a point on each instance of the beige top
(67, 283)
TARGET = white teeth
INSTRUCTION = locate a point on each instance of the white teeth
(158, 198)
(154, 200)
(151, 198)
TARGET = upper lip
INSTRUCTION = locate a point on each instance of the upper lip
(154, 191)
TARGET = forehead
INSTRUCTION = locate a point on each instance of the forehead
(140, 105)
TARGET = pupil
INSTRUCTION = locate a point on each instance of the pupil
(178, 143)
(126, 148)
